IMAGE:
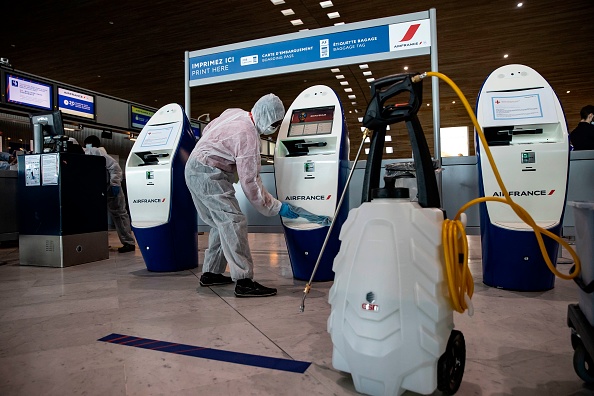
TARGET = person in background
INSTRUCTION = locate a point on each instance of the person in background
(582, 137)
(116, 202)
(7, 160)
(231, 143)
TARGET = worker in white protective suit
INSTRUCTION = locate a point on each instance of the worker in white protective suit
(231, 143)
(116, 202)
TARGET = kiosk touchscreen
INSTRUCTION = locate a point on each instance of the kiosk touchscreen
(311, 168)
(526, 131)
(163, 215)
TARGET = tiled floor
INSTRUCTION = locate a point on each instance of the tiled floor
(51, 319)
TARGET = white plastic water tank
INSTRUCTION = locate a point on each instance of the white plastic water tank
(391, 317)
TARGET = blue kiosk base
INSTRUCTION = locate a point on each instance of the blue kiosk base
(304, 248)
(512, 260)
(167, 250)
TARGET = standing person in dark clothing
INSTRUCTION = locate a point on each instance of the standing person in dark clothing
(582, 137)
(116, 203)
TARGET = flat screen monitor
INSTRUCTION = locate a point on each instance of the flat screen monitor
(51, 123)
(25, 91)
(312, 121)
(139, 117)
(76, 103)
(195, 129)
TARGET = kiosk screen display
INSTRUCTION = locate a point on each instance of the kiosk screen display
(313, 121)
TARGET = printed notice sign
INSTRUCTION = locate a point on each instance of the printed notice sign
(32, 170)
(534, 106)
(516, 107)
(157, 136)
(49, 169)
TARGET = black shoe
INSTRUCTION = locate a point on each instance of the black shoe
(211, 279)
(127, 248)
(249, 288)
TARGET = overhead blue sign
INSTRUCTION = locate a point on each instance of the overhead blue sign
(76, 103)
(325, 45)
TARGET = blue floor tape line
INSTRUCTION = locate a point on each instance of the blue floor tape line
(294, 366)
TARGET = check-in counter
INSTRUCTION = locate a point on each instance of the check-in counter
(580, 185)
(9, 228)
(459, 185)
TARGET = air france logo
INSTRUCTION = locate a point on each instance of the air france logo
(529, 193)
(408, 36)
(410, 33)
(148, 200)
(307, 197)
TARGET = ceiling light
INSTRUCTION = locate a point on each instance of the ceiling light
(356, 110)
(428, 104)
(364, 66)
(333, 15)
(367, 73)
(340, 76)
(335, 70)
(370, 79)
(277, 2)
(354, 103)
(367, 139)
(520, 4)
(387, 127)
(303, 30)
(505, 56)
(288, 11)
(348, 90)
(296, 22)
(388, 138)
(366, 151)
(352, 97)
(389, 150)
(405, 67)
(339, 23)
(344, 83)
(326, 4)
(453, 101)
(360, 119)
(350, 111)
(568, 91)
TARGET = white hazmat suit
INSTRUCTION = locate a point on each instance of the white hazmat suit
(231, 143)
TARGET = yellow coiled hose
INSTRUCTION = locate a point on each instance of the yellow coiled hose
(455, 245)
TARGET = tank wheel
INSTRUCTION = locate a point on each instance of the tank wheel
(450, 366)
(583, 364)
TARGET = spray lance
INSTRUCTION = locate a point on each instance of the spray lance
(366, 133)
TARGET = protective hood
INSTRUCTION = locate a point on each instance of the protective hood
(266, 111)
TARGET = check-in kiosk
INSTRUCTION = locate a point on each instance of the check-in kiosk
(526, 130)
(311, 169)
(163, 215)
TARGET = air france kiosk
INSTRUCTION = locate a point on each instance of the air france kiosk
(163, 215)
(311, 169)
(527, 133)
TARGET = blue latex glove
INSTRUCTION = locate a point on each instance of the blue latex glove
(115, 190)
(286, 211)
